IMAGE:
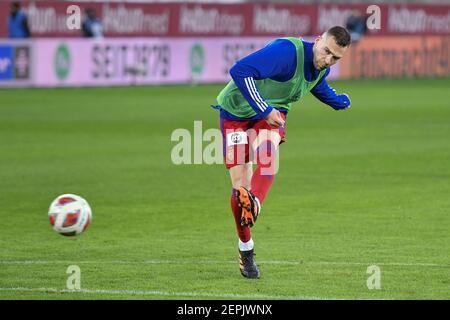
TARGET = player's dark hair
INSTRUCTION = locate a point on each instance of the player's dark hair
(341, 35)
(15, 4)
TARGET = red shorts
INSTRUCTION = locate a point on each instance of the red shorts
(238, 136)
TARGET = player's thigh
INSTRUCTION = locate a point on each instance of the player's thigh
(241, 175)
(235, 142)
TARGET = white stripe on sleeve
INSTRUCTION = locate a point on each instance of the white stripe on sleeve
(248, 83)
(260, 99)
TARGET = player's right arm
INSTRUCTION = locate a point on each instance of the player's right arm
(277, 60)
(328, 95)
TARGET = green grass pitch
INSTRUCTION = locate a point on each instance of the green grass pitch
(368, 186)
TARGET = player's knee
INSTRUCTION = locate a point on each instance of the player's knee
(241, 175)
(240, 182)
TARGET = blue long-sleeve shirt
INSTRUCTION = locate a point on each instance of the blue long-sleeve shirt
(278, 61)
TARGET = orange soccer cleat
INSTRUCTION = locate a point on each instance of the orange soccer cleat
(250, 206)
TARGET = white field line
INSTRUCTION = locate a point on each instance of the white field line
(165, 293)
(214, 262)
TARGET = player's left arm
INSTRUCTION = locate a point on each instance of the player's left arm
(328, 95)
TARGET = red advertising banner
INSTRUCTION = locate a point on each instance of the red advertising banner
(398, 57)
(48, 19)
(396, 19)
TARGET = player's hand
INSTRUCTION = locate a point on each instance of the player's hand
(275, 119)
(345, 101)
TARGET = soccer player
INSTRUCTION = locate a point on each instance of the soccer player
(253, 109)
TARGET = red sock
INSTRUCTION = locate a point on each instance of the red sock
(243, 232)
(264, 174)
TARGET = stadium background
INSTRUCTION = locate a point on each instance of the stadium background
(95, 116)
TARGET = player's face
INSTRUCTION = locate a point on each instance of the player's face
(327, 52)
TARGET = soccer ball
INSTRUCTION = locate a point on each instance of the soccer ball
(69, 214)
